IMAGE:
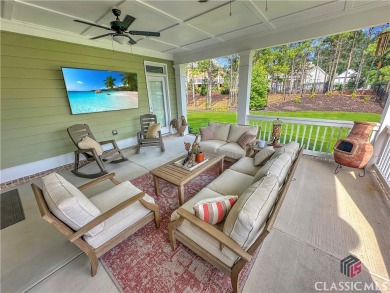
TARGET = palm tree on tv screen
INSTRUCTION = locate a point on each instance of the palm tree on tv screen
(129, 80)
(109, 82)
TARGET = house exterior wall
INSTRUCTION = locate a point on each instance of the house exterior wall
(311, 76)
(35, 111)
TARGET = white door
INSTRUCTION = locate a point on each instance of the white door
(158, 101)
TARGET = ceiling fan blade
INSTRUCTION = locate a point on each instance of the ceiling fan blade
(144, 33)
(105, 35)
(131, 40)
(128, 21)
(94, 24)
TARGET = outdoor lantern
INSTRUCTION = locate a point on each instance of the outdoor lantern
(276, 132)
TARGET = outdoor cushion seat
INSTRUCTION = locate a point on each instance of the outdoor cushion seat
(236, 131)
(278, 167)
(245, 165)
(189, 205)
(220, 130)
(223, 183)
(211, 145)
(205, 241)
(232, 150)
(124, 218)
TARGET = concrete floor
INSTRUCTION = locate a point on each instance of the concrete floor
(332, 215)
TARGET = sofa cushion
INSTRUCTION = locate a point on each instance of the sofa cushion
(214, 210)
(290, 148)
(263, 155)
(278, 167)
(220, 130)
(211, 145)
(247, 218)
(189, 205)
(121, 220)
(206, 241)
(231, 183)
(232, 150)
(236, 131)
(245, 139)
(206, 133)
(69, 204)
(245, 165)
(89, 143)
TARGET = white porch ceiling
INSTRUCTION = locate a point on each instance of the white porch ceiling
(191, 30)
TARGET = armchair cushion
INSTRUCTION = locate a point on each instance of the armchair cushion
(214, 210)
(232, 150)
(290, 148)
(263, 155)
(211, 145)
(69, 204)
(121, 220)
(248, 216)
(220, 130)
(153, 130)
(89, 143)
(245, 165)
(223, 183)
(236, 131)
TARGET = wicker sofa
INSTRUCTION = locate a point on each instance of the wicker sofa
(260, 189)
(225, 137)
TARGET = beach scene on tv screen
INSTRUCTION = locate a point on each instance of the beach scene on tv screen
(99, 90)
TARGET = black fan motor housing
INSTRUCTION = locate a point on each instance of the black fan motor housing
(118, 26)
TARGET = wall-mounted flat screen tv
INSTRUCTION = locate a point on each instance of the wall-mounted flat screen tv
(92, 90)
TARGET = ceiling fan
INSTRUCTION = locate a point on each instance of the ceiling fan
(119, 28)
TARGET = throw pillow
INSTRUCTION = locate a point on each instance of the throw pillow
(214, 210)
(263, 155)
(153, 130)
(89, 143)
(245, 139)
(206, 133)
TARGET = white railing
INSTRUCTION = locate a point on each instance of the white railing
(383, 165)
(201, 80)
(319, 136)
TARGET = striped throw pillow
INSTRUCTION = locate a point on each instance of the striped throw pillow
(214, 210)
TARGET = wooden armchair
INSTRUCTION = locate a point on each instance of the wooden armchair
(145, 120)
(208, 230)
(94, 248)
(79, 131)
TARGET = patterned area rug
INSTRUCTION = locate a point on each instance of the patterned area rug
(145, 262)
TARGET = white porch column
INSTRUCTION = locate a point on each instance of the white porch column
(244, 87)
(382, 135)
(180, 80)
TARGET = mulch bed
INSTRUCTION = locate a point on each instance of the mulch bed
(327, 103)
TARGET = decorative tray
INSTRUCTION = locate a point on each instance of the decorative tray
(196, 165)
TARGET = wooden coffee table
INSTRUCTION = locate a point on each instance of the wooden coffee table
(179, 176)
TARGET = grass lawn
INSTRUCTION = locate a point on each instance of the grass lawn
(201, 119)
(326, 136)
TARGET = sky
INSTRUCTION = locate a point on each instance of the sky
(87, 79)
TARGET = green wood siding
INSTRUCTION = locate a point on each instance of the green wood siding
(35, 110)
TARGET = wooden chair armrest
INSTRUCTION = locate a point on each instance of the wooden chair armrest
(82, 151)
(112, 141)
(105, 216)
(100, 179)
(215, 233)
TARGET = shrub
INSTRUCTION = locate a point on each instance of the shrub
(340, 87)
(259, 88)
(366, 99)
(312, 95)
(353, 95)
(297, 100)
(202, 90)
(224, 91)
(329, 93)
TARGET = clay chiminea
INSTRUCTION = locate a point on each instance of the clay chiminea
(356, 150)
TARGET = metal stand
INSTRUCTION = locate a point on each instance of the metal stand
(337, 170)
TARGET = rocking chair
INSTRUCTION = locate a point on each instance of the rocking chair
(145, 120)
(77, 132)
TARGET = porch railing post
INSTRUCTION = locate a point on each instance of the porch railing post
(181, 97)
(244, 89)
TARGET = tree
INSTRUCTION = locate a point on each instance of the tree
(259, 87)
(129, 80)
(109, 82)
